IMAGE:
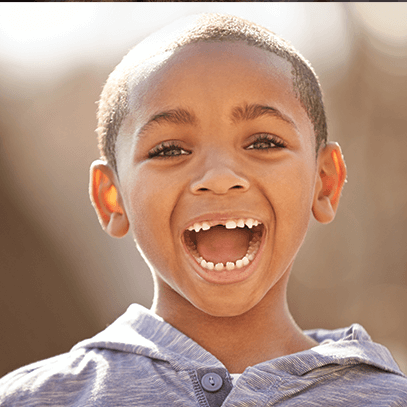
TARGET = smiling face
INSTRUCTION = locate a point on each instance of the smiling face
(217, 170)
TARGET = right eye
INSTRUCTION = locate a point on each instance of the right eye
(167, 150)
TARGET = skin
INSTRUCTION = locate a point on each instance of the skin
(217, 173)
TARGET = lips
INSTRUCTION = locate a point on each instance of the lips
(224, 245)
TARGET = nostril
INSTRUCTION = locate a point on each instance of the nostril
(234, 187)
(219, 181)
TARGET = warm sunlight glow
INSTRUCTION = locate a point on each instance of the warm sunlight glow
(338, 171)
(111, 199)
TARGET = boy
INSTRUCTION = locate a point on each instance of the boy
(214, 154)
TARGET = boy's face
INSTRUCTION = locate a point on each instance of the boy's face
(207, 158)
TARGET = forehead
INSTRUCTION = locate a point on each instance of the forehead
(207, 58)
(217, 74)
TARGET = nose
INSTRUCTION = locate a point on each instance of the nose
(220, 180)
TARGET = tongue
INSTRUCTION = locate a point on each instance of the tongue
(220, 245)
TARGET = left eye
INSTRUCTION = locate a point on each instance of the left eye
(266, 142)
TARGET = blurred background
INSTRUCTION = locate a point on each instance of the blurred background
(63, 279)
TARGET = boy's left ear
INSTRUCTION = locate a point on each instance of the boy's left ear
(106, 199)
(330, 179)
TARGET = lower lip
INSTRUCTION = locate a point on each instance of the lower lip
(227, 276)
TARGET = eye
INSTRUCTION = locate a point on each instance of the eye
(167, 150)
(266, 142)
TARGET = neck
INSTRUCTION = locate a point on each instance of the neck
(265, 332)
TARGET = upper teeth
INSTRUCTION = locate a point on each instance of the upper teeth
(230, 224)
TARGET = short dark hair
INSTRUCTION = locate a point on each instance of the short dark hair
(113, 103)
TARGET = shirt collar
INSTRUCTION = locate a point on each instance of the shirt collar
(142, 332)
(347, 346)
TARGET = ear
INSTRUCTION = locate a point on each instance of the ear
(330, 178)
(106, 199)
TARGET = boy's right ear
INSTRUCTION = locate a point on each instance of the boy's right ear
(106, 199)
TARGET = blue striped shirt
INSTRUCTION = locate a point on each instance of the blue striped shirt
(140, 360)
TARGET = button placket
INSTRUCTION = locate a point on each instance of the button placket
(214, 386)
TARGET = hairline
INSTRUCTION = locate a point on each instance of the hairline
(300, 69)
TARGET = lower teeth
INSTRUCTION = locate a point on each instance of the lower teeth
(249, 256)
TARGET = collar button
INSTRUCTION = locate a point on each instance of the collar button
(211, 382)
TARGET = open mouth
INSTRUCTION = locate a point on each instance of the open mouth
(228, 245)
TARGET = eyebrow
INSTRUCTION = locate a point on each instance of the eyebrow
(174, 116)
(245, 112)
(254, 111)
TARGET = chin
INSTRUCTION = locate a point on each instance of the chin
(221, 308)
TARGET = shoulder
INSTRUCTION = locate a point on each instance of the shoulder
(117, 365)
(381, 384)
(368, 385)
(349, 365)
(40, 379)
(67, 378)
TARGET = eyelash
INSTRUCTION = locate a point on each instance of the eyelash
(161, 149)
(267, 139)
(168, 147)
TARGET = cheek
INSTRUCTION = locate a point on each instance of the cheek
(292, 188)
(150, 203)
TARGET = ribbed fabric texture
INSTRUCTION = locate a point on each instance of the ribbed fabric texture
(140, 360)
